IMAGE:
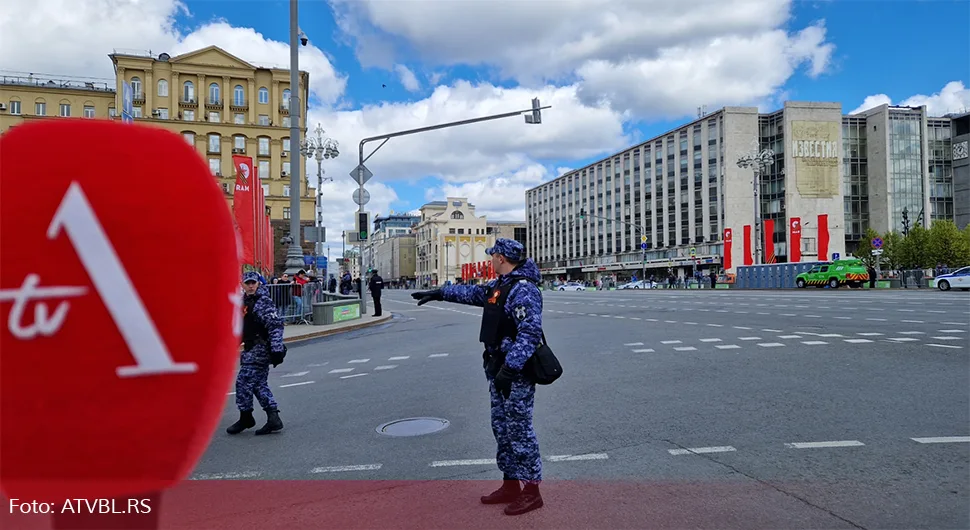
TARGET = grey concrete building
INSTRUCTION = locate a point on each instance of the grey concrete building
(681, 201)
(960, 153)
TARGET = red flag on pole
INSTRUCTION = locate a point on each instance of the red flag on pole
(769, 226)
(795, 240)
(242, 207)
(728, 241)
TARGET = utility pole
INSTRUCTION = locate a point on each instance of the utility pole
(759, 162)
(534, 116)
(294, 254)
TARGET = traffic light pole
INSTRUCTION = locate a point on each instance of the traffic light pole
(535, 117)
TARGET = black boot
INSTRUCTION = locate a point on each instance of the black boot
(507, 493)
(246, 420)
(273, 423)
(527, 501)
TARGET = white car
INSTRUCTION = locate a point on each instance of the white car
(572, 286)
(639, 284)
(958, 279)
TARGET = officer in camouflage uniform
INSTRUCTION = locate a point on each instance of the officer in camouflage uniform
(262, 345)
(511, 331)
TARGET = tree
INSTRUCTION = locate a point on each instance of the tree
(893, 250)
(864, 251)
(947, 245)
(915, 251)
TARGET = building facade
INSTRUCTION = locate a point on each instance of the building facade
(391, 247)
(508, 229)
(960, 153)
(682, 202)
(220, 104)
(449, 235)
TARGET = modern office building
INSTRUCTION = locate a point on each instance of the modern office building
(220, 104)
(960, 152)
(682, 201)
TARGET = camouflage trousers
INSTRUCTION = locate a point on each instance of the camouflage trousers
(253, 379)
(518, 448)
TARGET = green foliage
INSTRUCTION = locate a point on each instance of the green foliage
(948, 245)
(892, 244)
(915, 251)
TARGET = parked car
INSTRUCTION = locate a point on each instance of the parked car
(572, 286)
(851, 272)
(639, 284)
(958, 279)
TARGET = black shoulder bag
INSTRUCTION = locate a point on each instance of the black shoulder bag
(543, 367)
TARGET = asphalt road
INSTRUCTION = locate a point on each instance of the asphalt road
(737, 409)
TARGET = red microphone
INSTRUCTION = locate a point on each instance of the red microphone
(115, 355)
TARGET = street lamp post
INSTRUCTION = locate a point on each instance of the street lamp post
(759, 162)
(294, 254)
(320, 148)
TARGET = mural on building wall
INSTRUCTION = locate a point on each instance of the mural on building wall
(815, 148)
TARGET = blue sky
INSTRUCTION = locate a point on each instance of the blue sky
(615, 75)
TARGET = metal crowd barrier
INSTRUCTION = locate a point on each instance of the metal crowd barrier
(293, 308)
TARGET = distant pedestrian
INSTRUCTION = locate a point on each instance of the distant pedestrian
(376, 285)
(511, 331)
(262, 345)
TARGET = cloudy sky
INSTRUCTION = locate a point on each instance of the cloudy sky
(615, 72)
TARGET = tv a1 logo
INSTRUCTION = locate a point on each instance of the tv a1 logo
(76, 219)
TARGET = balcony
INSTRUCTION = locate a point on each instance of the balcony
(188, 102)
(138, 98)
(239, 105)
(285, 109)
(213, 103)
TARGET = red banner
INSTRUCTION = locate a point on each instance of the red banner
(242, 207)
(728, 241)
(795, 240)
(823, 237)
(747, 245)
(769, 226)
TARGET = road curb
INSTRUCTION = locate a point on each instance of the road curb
(328, 332)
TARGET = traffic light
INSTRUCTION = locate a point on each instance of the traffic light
(536, 117)
(363, 222)
(582, 213)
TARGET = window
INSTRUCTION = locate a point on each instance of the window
(286, 191)
(88, 111)
(286, 212)
(162, 114)
(263, 119)
(162, 87)
(214, 166)
(189, 138)
(286, 168)
(65, 109)
(188, 115)
(14, 107)
(286, 122)
(213, 93)
(266, 190)
(136, 88)
(214, 143)
(286, 99)
(136, 112)
(238, 96)
(239, 118)
(263, 146)
(188, 92)
(214, 116)
(286, 144)
(264, 169)
(239, 142)
(112, 112)
(263, 95)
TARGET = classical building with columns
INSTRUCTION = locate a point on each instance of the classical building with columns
(221, 104)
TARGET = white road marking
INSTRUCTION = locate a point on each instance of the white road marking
(225, 476)
(670, 342)
(686, 348)
(749, 338)
(634, 344)
(670, 321)
(877, 319)
(340, 370)
(740, 327)
(906, 310)
(710, 340)
(913, 321)
(870, 334)
(830, 335)
(946, 346)
(701, 450)
(903, 339)
(399, 358)
(317, 365)
(634, 318)
(645, 350)
(789, 315)
(433, 355)
(716, 325)
(844, 318)
(727, 346)
(770, 344)
(934, 311)
(789, 336)
(651, 319)
(811, 316)
(956, 323)
(952, 331)
(385, 367)
(819, 445)
(691, 323)
(295, 374)
(764, 313)
(857, 341)
(474, 462)
(618, 316)
(573, 458)
(942, 439)
(358, 361)
(298, 384)
(910, 333)
(947, 337)
(813, 342)
(339, 469)
(772, 330)
(354, 375)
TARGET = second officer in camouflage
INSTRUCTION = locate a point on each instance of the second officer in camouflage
(511, 332)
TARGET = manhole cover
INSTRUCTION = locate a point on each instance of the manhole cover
(412, 426)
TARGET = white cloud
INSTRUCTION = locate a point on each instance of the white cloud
(653, 57)
(74, 38)
(408, 79)
(500, 198)
(954, 97)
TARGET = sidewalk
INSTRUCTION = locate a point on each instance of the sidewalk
(299, 332)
